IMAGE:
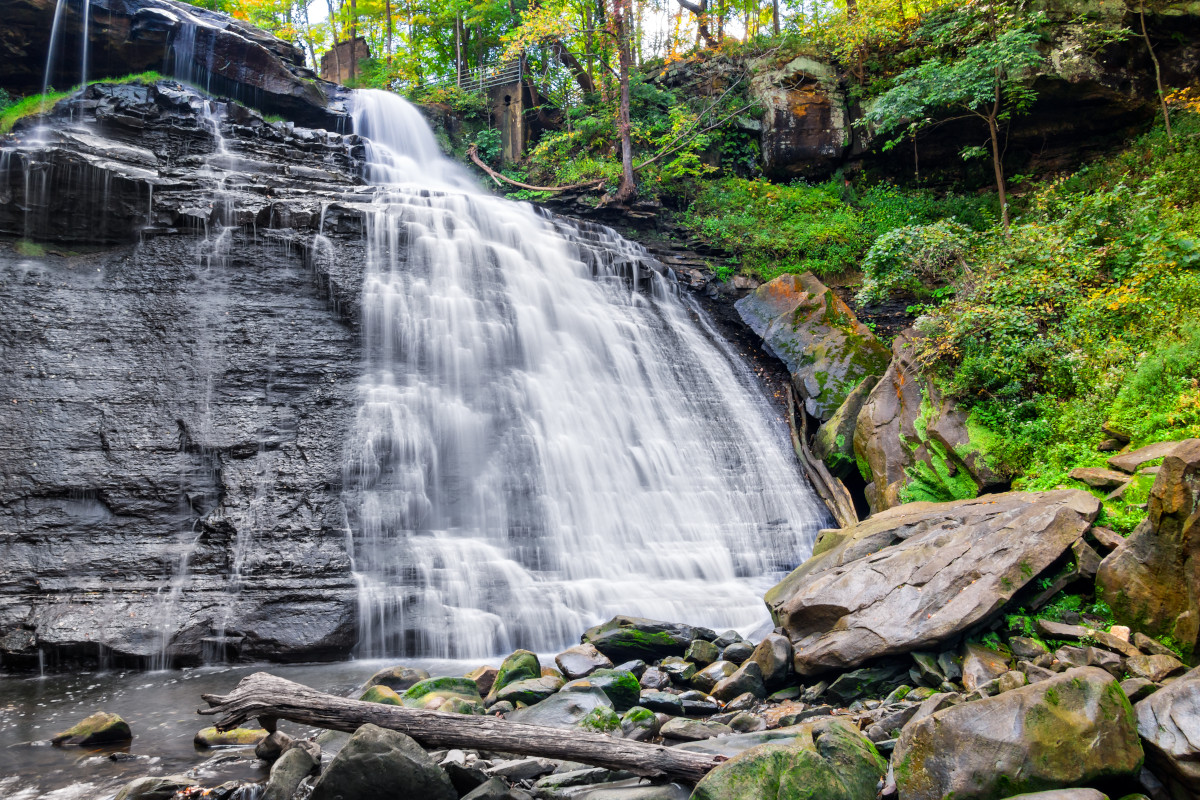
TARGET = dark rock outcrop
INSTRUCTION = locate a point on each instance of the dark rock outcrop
(1152, 579)
(921, 574)
(172, 465)
(226, 56)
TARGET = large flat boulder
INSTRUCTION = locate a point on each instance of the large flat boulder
(825, 348)
(1075, 728)
(1169, 723)
(917, 575)
(1152, 579)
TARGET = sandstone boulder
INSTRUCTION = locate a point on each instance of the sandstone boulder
(825, 348)
(911, 443)
(1072, 729)
(918, 575)
(1169, 723)
(520, 666)
(562, 710)
(397, 678)
(1152, 579)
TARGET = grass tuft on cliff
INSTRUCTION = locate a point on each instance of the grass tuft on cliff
(14, 110)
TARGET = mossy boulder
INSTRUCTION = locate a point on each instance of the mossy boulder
(600, 719)
(915, 576)
(100, 728)
(911, 443)
(626, 638)
(825, 348)
(238, 737)
(639, 724)
(433, 692)
(531, 691)
(377, 762)
(1075, 728)
(1152, 579)
(382, 694)
(561, 710)
(397, 678)
(621, 687)
(522, 665)
(829, 760)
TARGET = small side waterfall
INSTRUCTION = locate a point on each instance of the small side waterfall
(547, 435)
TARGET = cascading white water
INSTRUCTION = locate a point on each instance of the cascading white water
(540, 445)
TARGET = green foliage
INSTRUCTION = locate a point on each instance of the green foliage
(778, 229)
(913, 260)
(1085, 316)
(488, 142)
(467, 103)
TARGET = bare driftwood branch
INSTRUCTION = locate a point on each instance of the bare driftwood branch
(473, 152)
(270, 698)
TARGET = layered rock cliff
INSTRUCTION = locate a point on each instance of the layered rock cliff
(153, 382)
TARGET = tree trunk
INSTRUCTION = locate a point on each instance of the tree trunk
(271, 699)
(775, 16)
(1162, 95)
(337, 56)
(998, 166)
(387, 9)
(573, 66)
(628, 187)
(353, 38)
(852, 9)
(700, 10)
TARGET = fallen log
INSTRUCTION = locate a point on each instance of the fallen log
(271, 698)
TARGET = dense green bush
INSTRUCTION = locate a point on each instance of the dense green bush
(913, 261)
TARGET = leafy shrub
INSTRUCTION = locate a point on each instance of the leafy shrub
(777, 229)
(488, 142)
(913, 260)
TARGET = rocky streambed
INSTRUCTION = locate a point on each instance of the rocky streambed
(915, 657)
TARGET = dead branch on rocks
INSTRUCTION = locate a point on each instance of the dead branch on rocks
(270, 698)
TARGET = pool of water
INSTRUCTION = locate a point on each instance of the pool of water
(160, 708)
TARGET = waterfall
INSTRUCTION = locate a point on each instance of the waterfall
(548, 433)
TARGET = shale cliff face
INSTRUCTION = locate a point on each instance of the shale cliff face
(170, 471)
